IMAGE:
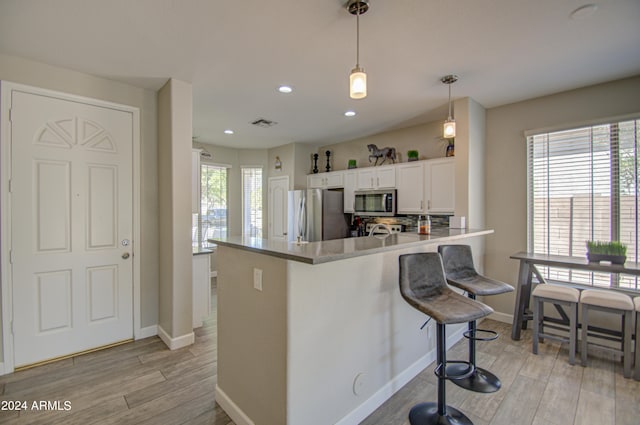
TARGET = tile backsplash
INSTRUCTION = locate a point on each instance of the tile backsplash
(410, 222)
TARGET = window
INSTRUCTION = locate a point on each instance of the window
(252, 201)
(212, 220)
(583, 185)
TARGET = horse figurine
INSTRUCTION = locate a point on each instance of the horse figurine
(383, 153)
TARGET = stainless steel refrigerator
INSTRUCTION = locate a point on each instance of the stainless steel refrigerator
(316, 215)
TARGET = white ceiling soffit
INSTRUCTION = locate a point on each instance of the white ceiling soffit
(236, 54)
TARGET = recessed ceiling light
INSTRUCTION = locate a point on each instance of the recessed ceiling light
(228, 131)
(350, 114)
(584, 12)
(285, 89)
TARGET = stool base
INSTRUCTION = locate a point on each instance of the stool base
(480, 381)
(427, 414)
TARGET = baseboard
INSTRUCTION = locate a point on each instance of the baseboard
(148, 331)
(235, 413)
(175, 343)
(501, 317)
(383, 394)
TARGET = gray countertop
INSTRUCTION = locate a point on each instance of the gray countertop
(340, 249)
(201, 250)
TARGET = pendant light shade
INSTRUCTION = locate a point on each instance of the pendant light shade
(357, 83)
(449, 129)
(357, 78)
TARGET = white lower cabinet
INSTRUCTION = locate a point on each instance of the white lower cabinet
(201, 287)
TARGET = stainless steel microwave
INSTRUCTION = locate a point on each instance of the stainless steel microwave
(375, 202)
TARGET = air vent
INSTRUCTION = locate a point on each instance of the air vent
(261, 122)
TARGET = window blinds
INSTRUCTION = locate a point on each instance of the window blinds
(252, 201)
(212, 220)
(583, 185)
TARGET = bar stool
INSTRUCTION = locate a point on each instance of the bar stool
(423, 286)
(461, 273)
(610, 302)
(636, 371)
(561, 295)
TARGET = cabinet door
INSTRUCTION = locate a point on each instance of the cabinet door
(410, 180)
(195, 181)
(334, 179)
(315, 181)
(350, 181)
(386, 177)
(441, 186)
(201, 289)
(366, 179)
(278, 189)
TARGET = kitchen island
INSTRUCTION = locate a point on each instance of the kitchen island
(318, 333)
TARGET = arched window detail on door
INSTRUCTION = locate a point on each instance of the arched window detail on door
(75, 132)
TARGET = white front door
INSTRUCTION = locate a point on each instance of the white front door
(278, 191)
(71, 226)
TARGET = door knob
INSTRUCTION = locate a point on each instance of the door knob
(125, 255)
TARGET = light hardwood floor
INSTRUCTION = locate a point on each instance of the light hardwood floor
(141, 382)
(541, 389)
(145, 383)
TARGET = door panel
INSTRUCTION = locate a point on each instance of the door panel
(71, 203)
(278, 198)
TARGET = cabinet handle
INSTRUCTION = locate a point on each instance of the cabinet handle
(429, 204)
(421, 202)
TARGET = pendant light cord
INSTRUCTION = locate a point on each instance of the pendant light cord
(358, 37)
(449, 100)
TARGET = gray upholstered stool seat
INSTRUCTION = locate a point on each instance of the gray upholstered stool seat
(423, 286)
(461, 273)
(610, 302)
(636, 370)
(555, 294)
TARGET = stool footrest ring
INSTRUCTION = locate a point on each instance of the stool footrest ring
(442, 368)
(490, 335)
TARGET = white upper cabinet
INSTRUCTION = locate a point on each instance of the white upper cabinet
(350, 181)
(410, 185)
(333, 179)
(440, 185)
(377, 177)
(426, 187)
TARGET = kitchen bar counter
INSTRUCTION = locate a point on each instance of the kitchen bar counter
(319, 330)
(340, 249)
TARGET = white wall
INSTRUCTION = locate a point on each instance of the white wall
(37, 74)
(425, 138)
(506, 170)
(174, 181)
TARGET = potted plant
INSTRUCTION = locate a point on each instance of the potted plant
(412, 156)
(614, 251)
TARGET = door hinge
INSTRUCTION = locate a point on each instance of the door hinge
(10, 186)
(10, 256)
(10, 114)
(12, 327)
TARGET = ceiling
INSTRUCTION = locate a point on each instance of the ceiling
(236, 53)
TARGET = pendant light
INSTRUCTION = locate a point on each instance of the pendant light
(449, 130)
(357, 78)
